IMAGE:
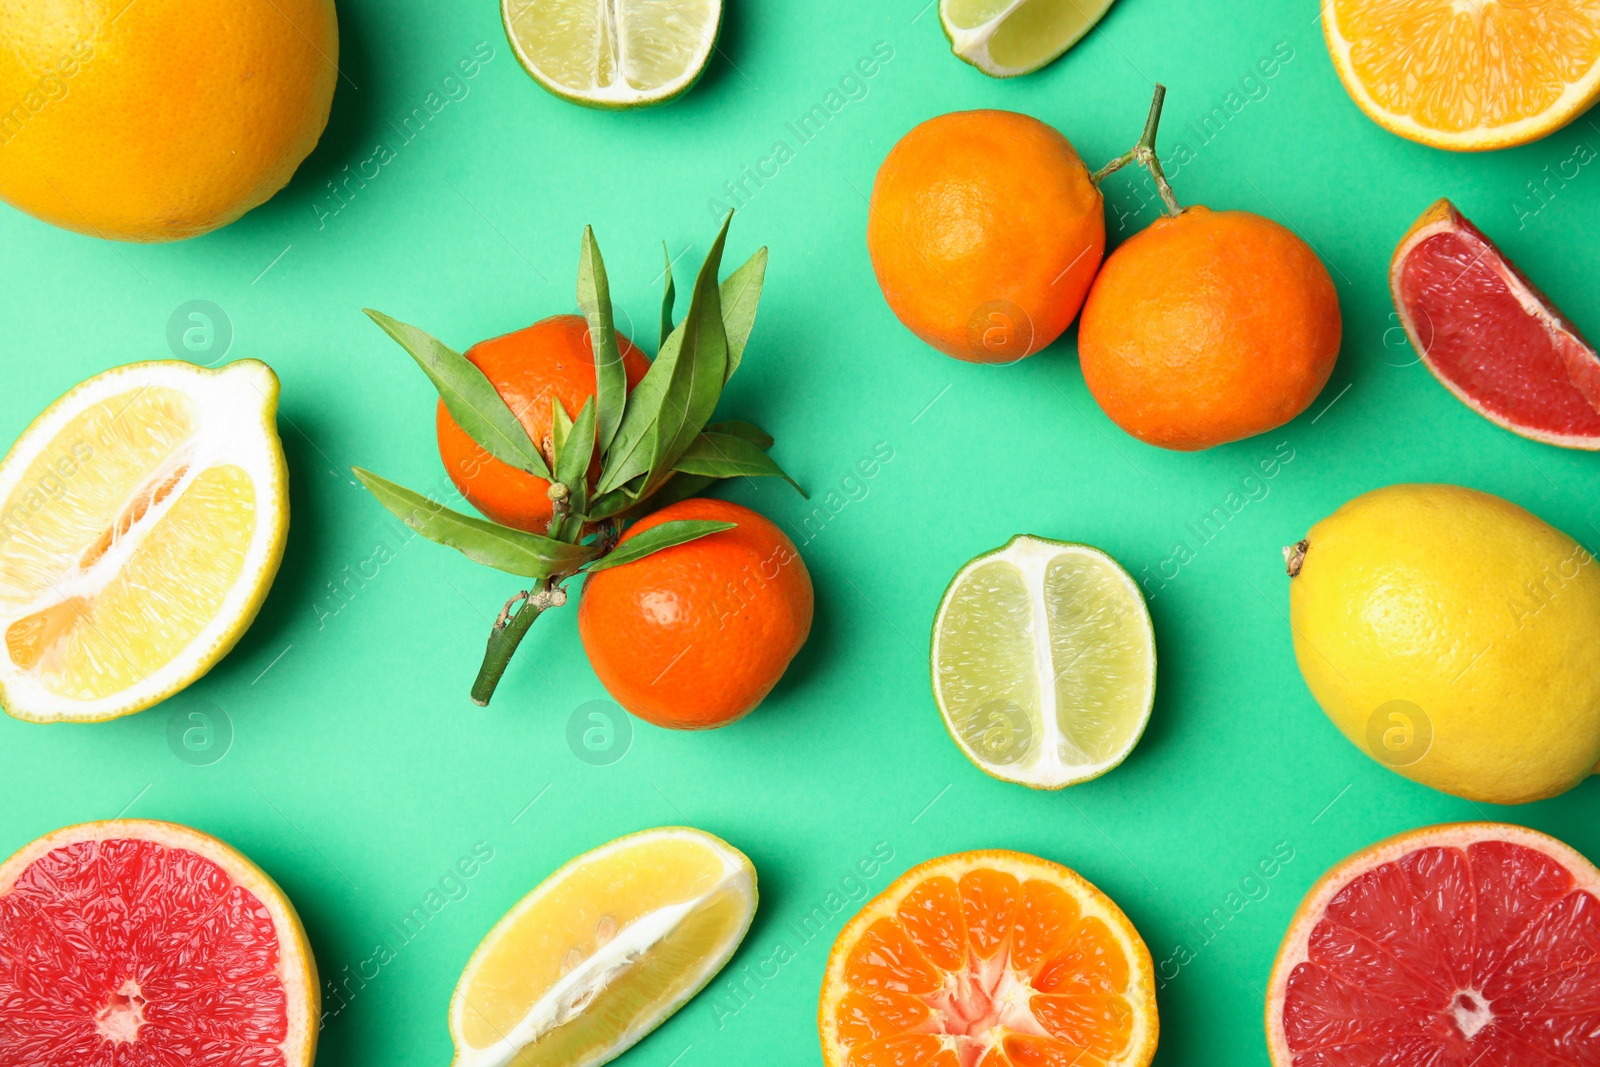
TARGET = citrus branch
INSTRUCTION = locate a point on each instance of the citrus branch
(509, 630)
(1144, 153)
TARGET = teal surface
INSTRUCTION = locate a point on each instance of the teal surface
(358, 773)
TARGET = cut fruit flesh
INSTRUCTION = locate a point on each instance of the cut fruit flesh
(989, 959)
(613, 53)
(1005, 38)
(133, 942)
(1491, 337)
(142, 519)
(603, 951)
(1467, 75)
(1473, 943)
(1044, 662)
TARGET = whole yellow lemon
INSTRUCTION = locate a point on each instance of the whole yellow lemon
(157, 120)
(1455, 638)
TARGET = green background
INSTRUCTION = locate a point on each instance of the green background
(358, 772)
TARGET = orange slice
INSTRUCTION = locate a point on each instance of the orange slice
(1468, 75)
(989, 959)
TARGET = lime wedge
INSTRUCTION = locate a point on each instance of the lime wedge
(1005, 38)
(613, 53)
(1044, 662)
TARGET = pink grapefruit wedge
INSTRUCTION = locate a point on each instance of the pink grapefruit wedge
(1467, 945)
(1490, 336)
(129, 943)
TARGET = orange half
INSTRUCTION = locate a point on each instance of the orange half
(1467, 75)
(989, 959)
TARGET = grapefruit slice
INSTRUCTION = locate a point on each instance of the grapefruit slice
(1467, 75)
(142, 519)
(131, 942)
(1468, 944)
(989, 959)
(1490, 337)
(603, 951)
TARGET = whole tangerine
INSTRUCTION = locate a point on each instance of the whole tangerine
(552, 359)
(163, 119)
(985, 233)
(695, 636)
(1208, 327)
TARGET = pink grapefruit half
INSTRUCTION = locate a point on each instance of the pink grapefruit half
(1467, 945)
(1490, 336)
(130, 942)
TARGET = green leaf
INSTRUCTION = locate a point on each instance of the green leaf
(722, 455)
(560, 426)
(572, 470)
(667, 299)
(676, 488)
(481, 541)
(632, 451)
(611, 379)
(572, 462)
(698, 372)
(656, 538)
(741, 292)
(470, 398)
(677, 395)
(747, 430)
(626, 498)
(608, 504)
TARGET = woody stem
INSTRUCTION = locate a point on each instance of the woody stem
(1144, 153)
(509, 629)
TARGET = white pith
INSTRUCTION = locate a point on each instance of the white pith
(1008, 991)
(972, 43)
(1481, 138)
(616, 14)
(237, 407)
(1529, 302)
(1295, 948)
(576, 989)
(296, 966)
(1044, 767)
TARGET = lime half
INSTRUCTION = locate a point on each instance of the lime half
(613, 53)
(1004, 38)
(1044, 662)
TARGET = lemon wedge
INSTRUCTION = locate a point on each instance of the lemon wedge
(1005, 38)
(143, 520)
(1044, 662)
(603, 951)
(613, 53)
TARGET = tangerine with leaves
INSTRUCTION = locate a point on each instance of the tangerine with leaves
(695, 636)
(550, 361)
(641, 438)
(1208, 326)
(985, 232)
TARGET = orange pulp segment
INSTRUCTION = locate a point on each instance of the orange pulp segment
(989, 959)
(1467, 74)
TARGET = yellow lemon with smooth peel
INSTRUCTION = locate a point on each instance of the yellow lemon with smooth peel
(1455, 638)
